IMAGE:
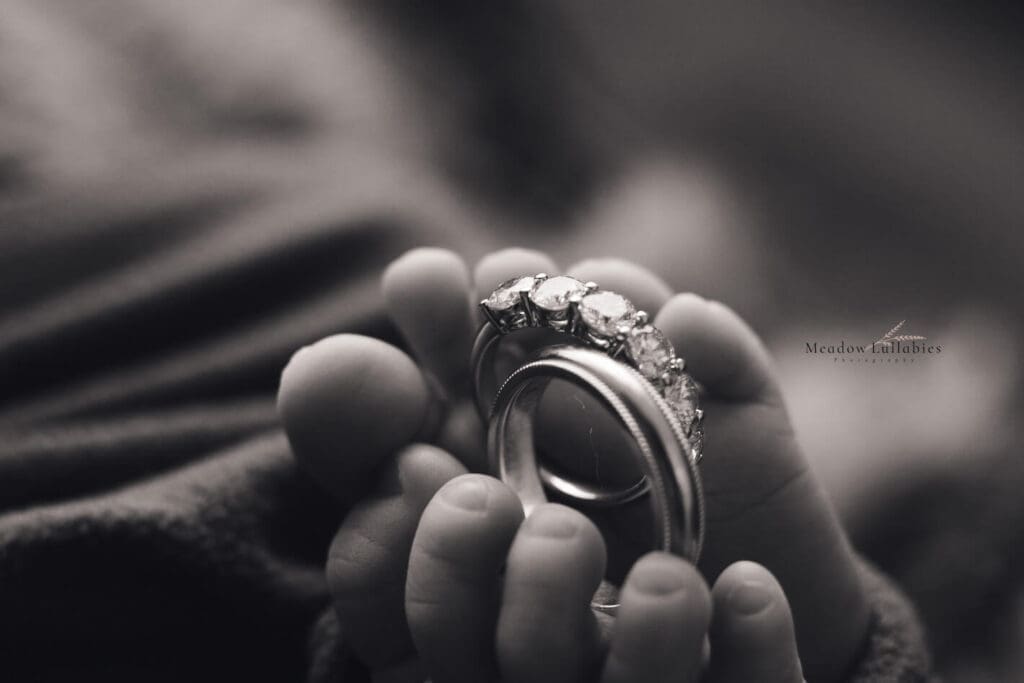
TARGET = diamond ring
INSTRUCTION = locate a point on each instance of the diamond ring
(598, 319)
(676, 500)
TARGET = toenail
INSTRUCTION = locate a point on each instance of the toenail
(749, 597)
(470, 494)
(658, 581)
(553, 525)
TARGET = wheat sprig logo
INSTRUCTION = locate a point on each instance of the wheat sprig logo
(896, 346)
(890, 337)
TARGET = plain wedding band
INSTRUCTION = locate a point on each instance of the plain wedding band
(672, 477)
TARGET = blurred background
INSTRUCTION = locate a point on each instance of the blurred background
(191, 190)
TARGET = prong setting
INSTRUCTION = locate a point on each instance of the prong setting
(528, 309)
(573, 321)
(617, 345)
(605, 321)
(493, 318)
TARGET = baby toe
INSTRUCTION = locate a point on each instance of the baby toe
(662, 623)
(720, 349)
(452, 587)
(546, 630)
(347, 403)
(427, 292)
(752, 635)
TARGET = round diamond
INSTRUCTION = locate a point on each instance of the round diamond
(508, 292)
(696, 437)
(553, 294)
(606, 312)
(682, 396)
(651, 352)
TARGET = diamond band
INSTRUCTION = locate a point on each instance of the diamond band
(600, 319)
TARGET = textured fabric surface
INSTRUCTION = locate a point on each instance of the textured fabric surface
(152, 522)
(896, 648)
(209, 572)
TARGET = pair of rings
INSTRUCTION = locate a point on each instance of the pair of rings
(627, 365)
